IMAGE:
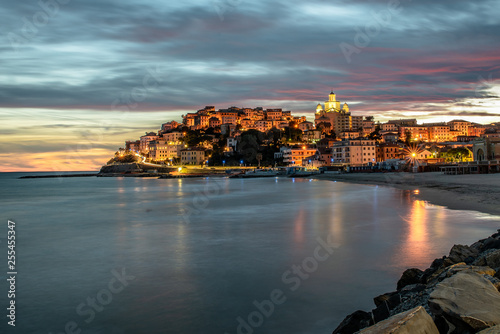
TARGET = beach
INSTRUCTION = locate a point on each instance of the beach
(477, 192)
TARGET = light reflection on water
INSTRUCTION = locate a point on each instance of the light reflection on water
(203, 250)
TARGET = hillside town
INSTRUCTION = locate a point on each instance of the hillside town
(336, 138)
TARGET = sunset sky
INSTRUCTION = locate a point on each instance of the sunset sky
(79, 77)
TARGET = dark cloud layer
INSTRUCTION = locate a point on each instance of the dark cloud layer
(152, 56)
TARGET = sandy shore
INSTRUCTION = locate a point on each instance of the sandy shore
(478, 192)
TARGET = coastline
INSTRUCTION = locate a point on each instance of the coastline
(441, 298)
(475, 192)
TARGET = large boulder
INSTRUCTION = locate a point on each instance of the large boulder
(490, 243)
(490, 258)
(441, 274)
(414, 321)
(491, 330)
(461, 253)
(354, 322)
(410, 276)
(468, 301)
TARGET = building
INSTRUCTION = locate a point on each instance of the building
(165, 127)
(304, 126)
(476, 130)
(389, 151)
(274, 114)
(295, 155)
(161, 150)
(389, 137)
(145, 140)
(340, 119)
(486, 149)
(172, 137)
(354, 152)
(415, 133)
(403, 122)
(193, 156)
(312, 135)
(391, 127)
(439, 133)
(460, 127)
(132, 145)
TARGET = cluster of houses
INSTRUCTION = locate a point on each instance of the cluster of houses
(335, 138)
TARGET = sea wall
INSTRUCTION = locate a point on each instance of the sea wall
(458, 293)
(133, 168)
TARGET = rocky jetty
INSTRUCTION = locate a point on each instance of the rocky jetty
(458, 293)
(132, 168)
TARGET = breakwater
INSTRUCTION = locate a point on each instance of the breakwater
(458, 293)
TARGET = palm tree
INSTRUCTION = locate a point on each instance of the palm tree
(259, 158)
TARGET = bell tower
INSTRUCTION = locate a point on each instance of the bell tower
(332, 104)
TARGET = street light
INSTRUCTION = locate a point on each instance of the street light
(223, 163)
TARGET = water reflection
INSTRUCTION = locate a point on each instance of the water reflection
(422, 220)
(298, 229)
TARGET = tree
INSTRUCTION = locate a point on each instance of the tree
(375, 135)
(407, 137)
(293, 134)
(457, 154)
(258, 156)
(128, 157)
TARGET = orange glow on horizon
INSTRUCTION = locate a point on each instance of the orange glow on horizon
(70, 161)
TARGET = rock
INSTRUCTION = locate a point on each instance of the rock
(491, 330)
(436, 265)
(495, 281)
(490, 258)
(491, 243)
(380, 313)
(383, 298)
(477, 269)
(493, 259)
(414, 321)
(468, 301)
(441, 274)
(354, 322)
(459, 253)
(410, 276)
(410, 297)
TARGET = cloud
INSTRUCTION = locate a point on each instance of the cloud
(93, 57)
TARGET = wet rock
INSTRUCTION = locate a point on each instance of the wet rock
(459, 253)
(410, 276)
(414, 321)
(468, 301)
(354, 322)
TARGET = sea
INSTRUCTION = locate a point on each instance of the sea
(117, 255)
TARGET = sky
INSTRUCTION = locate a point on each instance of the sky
(79, 77)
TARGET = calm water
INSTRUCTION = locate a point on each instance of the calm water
(199, 252)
